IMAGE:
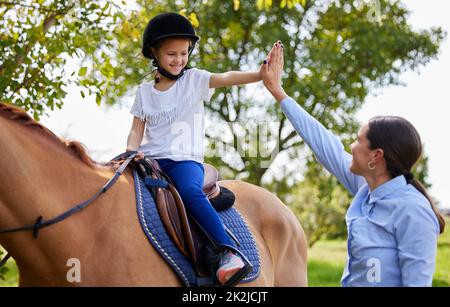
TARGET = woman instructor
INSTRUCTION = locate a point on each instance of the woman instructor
(392, 223)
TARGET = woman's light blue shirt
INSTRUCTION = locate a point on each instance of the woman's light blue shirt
(392, 230)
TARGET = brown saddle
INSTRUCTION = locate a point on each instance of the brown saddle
(173, 215)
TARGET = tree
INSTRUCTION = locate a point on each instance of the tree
(420, 171)
(39, 38)
(320, 210)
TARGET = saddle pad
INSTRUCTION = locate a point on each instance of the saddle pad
(154, 230)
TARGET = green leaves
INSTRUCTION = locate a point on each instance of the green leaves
(320, 205)
(35, 45)
(82, 71)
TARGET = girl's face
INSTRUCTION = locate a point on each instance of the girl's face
(361, 152)
(173, 54)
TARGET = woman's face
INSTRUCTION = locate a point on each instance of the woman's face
(173, 54)
(361, 152)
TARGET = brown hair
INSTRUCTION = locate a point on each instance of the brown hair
(402, 148)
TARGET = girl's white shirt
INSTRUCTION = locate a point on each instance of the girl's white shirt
(174, 119)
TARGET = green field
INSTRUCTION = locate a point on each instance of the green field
(325, 264)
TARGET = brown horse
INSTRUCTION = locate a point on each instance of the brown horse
(42, 175)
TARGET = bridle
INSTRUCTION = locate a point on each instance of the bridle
(41, 223)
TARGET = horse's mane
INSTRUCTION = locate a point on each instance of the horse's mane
(18, 115)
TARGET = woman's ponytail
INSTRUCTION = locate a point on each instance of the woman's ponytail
(419, 186)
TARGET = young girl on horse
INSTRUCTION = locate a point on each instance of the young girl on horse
(170, 111)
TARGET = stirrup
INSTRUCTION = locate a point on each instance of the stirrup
(238, 276)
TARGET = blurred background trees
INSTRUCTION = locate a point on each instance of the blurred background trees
(39, 38)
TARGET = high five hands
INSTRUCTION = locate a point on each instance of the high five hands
(272, 72)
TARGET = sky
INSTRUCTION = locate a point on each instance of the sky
(424, 101)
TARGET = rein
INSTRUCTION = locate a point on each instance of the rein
(40, 223)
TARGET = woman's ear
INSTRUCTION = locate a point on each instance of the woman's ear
(379, 155)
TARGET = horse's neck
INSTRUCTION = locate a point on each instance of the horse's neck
(44, 179)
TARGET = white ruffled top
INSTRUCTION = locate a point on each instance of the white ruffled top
(174, 119)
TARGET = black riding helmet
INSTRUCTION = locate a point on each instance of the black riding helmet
(163, 26)
(166, 25)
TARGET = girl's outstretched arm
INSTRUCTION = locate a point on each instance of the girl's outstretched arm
(233, 78)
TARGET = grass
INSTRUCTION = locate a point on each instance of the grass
(326, 260)
(442, 273)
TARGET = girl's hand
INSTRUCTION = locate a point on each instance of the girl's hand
(272, 72)
(139, 154)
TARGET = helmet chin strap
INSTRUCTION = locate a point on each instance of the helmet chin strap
(167, 74)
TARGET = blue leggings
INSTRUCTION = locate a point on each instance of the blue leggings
(188, 178)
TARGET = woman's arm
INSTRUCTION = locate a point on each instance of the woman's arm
(136, 134)
(326, 146)
(233, 78)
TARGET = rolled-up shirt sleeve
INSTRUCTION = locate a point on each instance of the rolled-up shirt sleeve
(327, 148)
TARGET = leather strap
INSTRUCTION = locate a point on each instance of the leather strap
(41, 223)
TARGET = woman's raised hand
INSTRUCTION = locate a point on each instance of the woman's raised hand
(273, 70)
